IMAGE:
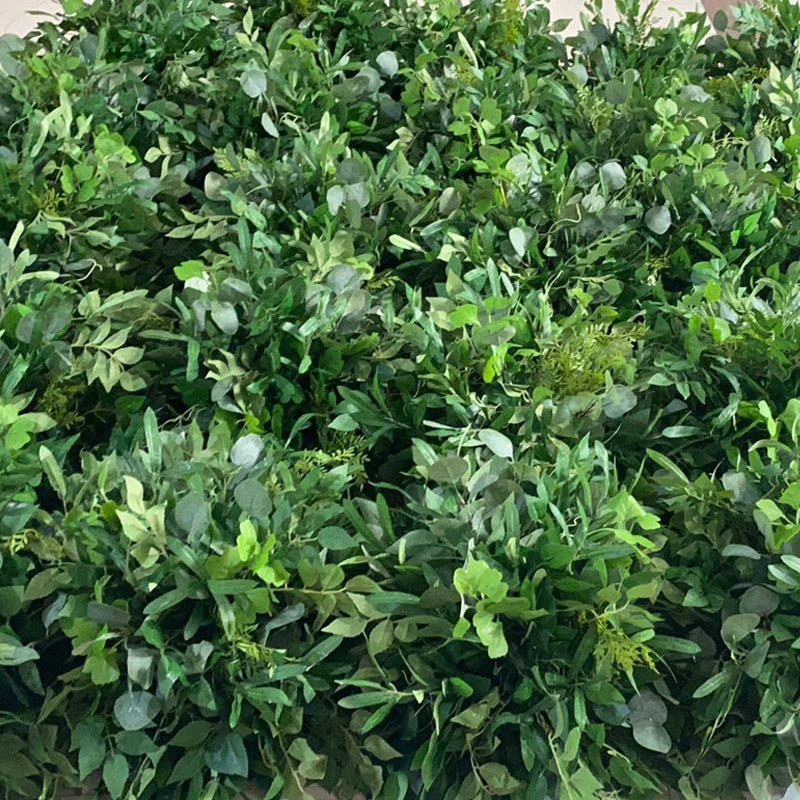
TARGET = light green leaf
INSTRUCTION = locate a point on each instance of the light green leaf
(449, 469)
(12, 655)
(498, 779)
(491, 634)
(472, 717)
(791, 495)
(405, 244)
(497, 442)
(311, 766)
(269, 126)
(247, 21)
(53, 471)
(518, 241)
(335, 538)
(153, 440)
(793, 562)
(466, 314)
(115, 774)
(348, 627)
(133, 528)
(380, 748)
(571, 746)
(478, 579)
(187, 270)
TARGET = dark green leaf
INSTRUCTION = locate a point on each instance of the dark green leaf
(616, 92)
(712, 684)
(335, 538)
(192, 734)
(225, 754)
(737, 626)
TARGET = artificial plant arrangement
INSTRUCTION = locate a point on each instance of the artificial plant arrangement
(401, 399)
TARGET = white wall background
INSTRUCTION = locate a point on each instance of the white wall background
(15, 14)
(571, 9)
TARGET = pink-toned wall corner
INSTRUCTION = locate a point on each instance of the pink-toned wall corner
(16, 17)
(712, 6)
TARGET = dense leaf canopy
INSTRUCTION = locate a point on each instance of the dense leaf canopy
(399, 398)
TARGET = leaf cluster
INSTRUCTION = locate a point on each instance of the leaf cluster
(399, 398)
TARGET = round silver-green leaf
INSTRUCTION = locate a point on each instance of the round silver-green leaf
(135, 710)
(658, 219)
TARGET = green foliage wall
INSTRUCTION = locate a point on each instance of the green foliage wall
(394, 398)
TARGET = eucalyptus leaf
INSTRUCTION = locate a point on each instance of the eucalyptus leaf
(578, 75)
(618, 401)
(652, 737)
(135, 710)
(759, 600)
(658, 219)
(647, 708)
(616, 92)
(254, 82)
(613, 175)
(252, 498)
(761, 149)
(225, 317)
(335, 198)
(737, 626)
(387, 61)
(247, 451)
